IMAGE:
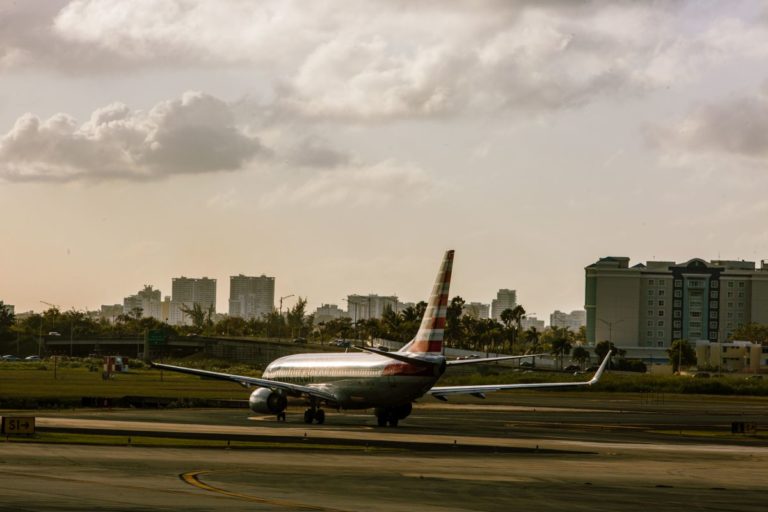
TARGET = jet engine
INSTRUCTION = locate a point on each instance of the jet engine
(264, 400)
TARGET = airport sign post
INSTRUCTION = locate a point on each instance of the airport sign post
(154, 338)
(18, 425)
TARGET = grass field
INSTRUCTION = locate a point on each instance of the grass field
(23, 383)
(74, 383)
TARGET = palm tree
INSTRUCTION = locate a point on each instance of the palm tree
(532, 336)
(560, 342)
(580, 355)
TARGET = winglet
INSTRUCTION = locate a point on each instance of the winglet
(599, 372)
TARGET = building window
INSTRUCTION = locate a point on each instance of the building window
(677, 313)
(730, 304)
(661, 312)
(650, 312)
(714, 294)
(730, 295)
(661, 303)
(714, 284)
(730, 314)
(713, 314)
(741, 295)
(660, 344)
(713, 325)
(713, 304)
(741, 284)
(713, 335)
(678, 293)
(661, 292)
(650, 323)
(650, 334)
(741, 304)
(650, 302)
(678, 303)
(661, 323)
(730, 284)
(695, 314)
(677, 324)
(678, 283)
(660, 334)
(650, 282)
(695, 283)
(650, 292)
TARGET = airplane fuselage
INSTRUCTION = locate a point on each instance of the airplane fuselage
(358, 380)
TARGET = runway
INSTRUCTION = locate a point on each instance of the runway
(621, 456)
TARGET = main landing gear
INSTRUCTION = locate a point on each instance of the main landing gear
(392, 415)
(314, 413)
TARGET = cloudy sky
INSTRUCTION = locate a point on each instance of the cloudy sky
(343, 146)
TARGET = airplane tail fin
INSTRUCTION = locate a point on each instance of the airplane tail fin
(429, 339)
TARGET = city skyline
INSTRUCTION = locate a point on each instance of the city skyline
(343, 147)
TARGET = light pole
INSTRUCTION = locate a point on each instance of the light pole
(610, 327)
(281, 302)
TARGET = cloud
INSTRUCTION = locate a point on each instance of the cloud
(314, 151)
(736, 127)
(372, 60)
(353, 186)
(191, 135)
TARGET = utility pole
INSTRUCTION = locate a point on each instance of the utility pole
(281, 302)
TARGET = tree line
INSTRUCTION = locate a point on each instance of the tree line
(461, 331)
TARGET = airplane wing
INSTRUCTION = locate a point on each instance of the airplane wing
(454, 362)
(441, 391)
(293, 389)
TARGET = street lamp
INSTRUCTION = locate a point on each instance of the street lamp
(281, 302)
(610, 327)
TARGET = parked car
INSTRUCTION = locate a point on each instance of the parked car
(10, 357)
(300, 340)
(342, 343)
(32, 358)
(54, 333)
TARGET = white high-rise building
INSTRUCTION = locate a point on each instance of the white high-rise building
(251, 297)
(363, 307)
(328, 312)
(187, 291)
(531, 321)
(505, 299)
(571, 321)
(476, 309)
(147, 300)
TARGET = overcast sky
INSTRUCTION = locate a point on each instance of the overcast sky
(342, 146)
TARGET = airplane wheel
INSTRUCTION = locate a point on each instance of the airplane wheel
(309, 416)
(320, 416)
(393, 421)
(281, 416)
(381, 419)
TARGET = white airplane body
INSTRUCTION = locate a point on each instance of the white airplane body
(389, 382)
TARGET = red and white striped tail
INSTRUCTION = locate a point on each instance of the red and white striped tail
(429, 339)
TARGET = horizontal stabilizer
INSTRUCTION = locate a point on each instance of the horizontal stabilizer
(400, 357)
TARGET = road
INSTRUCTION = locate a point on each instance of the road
(587, 454)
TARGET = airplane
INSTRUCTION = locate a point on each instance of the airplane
(388, 382)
